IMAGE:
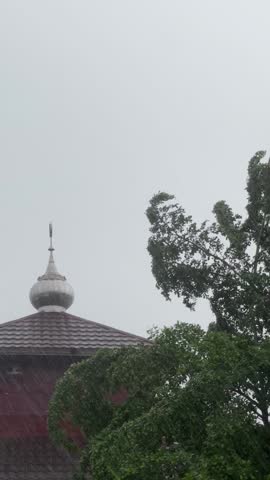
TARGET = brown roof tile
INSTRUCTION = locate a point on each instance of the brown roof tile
(52, 333)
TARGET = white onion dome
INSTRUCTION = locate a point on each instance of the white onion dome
(51, 292)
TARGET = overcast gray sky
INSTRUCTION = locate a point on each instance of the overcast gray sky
(102, 104)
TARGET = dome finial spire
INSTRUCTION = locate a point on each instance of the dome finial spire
(51, 249)
(51, 293)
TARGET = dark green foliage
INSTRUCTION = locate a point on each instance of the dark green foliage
(193, 410)
(226, 262)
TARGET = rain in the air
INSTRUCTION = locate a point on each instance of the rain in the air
(135, 240)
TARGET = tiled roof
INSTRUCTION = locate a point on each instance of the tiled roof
(53, 333)
(34, 459)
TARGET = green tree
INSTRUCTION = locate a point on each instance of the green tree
(226, 262)
(197, 403)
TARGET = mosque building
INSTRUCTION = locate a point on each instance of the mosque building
(35, 351)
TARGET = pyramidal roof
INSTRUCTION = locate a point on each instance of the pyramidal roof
(52, 331)
(60, 333)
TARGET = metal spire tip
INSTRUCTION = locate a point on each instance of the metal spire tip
(51, 249)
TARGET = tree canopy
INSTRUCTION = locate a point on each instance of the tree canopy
(195, 404)
(226, 262)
